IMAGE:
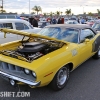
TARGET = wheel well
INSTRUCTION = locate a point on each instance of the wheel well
(70, 66)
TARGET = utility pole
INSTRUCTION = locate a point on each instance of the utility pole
(29, 6)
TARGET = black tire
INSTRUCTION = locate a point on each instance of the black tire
(60, 79)
(97, 54)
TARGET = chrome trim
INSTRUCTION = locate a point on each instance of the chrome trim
(20, 79)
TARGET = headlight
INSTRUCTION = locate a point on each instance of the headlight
(27, 71)
(34, 74)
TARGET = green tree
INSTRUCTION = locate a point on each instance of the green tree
(2, 11)
(51, 14)
(61, 12)
(33, 12)
(37, 9)
(68, 11)
(58, 13)
(98, 11)
(90, 14)
(44, 14)
(84, 13)
(72, 14)
(23, 13)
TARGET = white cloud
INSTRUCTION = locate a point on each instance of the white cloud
(51, 5)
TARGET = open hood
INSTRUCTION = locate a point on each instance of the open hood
(33, 48)
(7, 31)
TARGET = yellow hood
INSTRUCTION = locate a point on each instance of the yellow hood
(7, 31)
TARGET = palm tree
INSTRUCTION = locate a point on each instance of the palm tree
(58, 13)
(68, 11)
(23, 13)
(98, 11)
(51, 14)
(45, 14)
(61, 12)
(72, 14)
(90, 14)
(37, 9)
(2, 11)
(84, 13)
(33, 12)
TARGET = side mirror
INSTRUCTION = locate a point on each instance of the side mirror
(87, 40)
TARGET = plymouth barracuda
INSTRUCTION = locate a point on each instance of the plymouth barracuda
(47, 58)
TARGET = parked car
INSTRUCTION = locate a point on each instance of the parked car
(71, 22)
(42, 24)
(17, 24)
(90, 22)
(8, 16)
(47, 58)
(96, 26)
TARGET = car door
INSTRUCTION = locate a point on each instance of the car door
(86, 46)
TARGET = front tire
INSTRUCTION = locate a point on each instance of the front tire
(60, 79)
(97, 55)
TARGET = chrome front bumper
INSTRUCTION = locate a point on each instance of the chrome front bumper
(20, 79)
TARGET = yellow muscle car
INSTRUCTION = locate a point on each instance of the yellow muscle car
(47, 58)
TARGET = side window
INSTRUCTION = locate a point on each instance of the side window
(21, 26)
(96, 26)
(1, 26)
(86, 33)
(25, 26)
(7, 25)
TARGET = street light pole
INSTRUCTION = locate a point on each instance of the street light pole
(83, 7)
(29, 6)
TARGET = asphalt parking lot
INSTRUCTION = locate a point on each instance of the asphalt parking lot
(84, 84)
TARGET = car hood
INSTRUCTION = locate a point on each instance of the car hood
(7, 31)
(35, 30)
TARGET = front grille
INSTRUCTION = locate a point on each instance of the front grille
(7, 66)
(15, 71)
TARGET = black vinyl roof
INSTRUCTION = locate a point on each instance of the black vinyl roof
(75, 26)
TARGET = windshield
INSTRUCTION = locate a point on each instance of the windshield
(96, 26)
(66, 34)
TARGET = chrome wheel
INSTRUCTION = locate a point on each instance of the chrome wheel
(62, 76)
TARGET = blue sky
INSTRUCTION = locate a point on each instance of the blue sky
(77, 6)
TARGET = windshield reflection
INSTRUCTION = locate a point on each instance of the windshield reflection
(66, 34)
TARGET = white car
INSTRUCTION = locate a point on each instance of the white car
(17, 24)
(71, 22)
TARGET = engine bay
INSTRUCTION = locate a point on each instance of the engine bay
(33, 48)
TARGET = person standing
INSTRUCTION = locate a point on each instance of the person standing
(62, 20)
(59, 21)
(54, 20)
(35, 22)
